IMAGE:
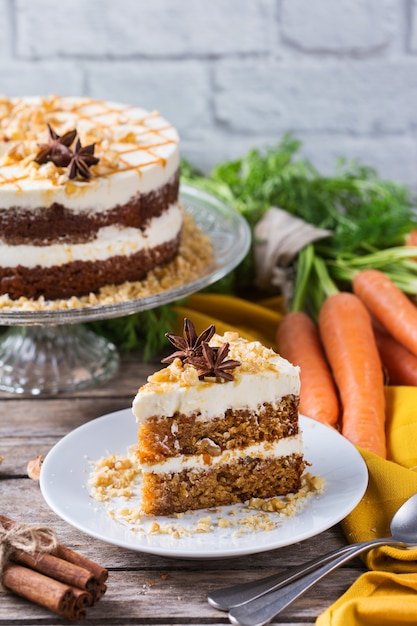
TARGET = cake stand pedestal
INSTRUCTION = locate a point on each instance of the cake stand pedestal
(49, 351)
(53, 359)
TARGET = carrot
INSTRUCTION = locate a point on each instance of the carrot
(299, 342)
(399, 363)
(411, 239)
(346, 332)
(388, 305)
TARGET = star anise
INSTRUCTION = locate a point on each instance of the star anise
(212, 362)
(81, 160)
(57, 149)
(190, 345)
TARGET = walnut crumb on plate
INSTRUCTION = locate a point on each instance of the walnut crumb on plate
(116, 478)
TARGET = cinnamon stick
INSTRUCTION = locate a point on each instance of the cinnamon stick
(100, 573)
(42, 590)
(57, 568)
(98, 593)
(83, 598)
(58, 578)
(96, 570)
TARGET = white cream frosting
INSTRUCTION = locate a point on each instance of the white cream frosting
(279, 449)
(263, 376)
(109, 242)
(138, 152)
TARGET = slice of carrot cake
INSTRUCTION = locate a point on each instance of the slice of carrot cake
(219, 425)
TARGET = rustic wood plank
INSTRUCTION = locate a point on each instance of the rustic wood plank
(17, 452)
(146, 595)
(34, 418)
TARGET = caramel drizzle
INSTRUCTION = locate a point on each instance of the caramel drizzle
(123, 164)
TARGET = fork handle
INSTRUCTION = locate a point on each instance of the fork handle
(230, 597)
(260, 611)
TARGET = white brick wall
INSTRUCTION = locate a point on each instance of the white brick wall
(234, 74)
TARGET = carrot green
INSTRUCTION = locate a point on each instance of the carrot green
(369, 218)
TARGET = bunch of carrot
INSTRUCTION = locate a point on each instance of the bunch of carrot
(362, 341)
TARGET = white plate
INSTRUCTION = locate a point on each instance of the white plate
(67, 467)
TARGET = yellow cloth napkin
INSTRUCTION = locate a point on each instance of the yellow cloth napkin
(377, 599)
(387, 594)
(254, 321)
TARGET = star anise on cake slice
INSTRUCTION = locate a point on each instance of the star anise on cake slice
(212, 362)
(81, 160)
(190, 345)
(57, 149)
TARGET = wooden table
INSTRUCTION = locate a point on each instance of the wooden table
(142, 588)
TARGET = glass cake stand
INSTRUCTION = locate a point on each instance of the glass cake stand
(50, 351)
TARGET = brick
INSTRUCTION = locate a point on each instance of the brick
(21, 79)
(342, 26)
(345, 96)
(158, 28)
(179, 90)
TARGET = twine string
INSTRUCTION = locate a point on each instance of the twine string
(26, 538)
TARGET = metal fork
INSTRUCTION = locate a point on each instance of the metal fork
(236, 595)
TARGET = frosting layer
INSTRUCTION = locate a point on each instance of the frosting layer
(110, 241)
(43, 225)
(263, 376)
(138, 152)
(275, 450)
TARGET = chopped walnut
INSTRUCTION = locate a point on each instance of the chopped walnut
(34, 468)
(17, 152)
(289, 504)
(113, 477)
(208, 446)
(204, 525)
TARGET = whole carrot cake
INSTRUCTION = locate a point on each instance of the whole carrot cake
(219, 425)
(88, 195)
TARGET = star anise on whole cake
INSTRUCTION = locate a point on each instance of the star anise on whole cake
(81, 160)
(190, 345)
(57, 149)
(212, 362)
